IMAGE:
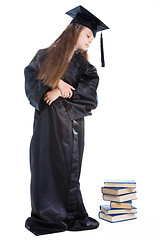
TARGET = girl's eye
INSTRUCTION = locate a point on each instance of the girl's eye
(88, 36)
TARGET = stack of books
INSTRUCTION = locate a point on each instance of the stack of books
(120, 194)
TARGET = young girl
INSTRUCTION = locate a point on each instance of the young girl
(61, 85)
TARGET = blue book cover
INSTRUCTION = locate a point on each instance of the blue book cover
(116, 188)
(121, 214)
(130, 201)
(120, 181)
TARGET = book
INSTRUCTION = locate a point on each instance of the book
(116, 217)
(126, 205)
(120, 183)
(108, 210)
(121, 198)
(117, 190)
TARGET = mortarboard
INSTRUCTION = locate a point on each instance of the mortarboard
(83, 16)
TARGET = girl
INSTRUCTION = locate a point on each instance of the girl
(61, 85)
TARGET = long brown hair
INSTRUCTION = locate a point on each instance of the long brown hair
(59, 54)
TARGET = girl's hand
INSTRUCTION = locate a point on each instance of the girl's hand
(52, 95)
(65, 89)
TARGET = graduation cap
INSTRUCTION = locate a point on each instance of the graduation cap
(84, 17)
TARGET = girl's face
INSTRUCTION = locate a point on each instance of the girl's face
(85, 39)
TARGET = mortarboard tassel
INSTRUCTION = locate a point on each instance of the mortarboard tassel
(102, 51)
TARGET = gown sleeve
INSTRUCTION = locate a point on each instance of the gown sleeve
(84, 98)
(35, 89)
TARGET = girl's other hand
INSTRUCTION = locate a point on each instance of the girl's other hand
(52, 95)
(65, 89)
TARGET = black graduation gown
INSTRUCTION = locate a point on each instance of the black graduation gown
(56, 149)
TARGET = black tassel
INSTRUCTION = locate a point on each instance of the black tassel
(102, 51)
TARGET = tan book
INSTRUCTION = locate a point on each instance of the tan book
(120, 183)
(126, 205)
(121, 198)
(118, 217)
(117, 191)
(108, 210)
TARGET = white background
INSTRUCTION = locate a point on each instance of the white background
(122, 139)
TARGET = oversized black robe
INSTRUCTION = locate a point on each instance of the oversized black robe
(56, 148)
